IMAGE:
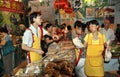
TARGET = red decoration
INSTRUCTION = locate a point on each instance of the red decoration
(63, 4)
(68, 10)
(66, 6)
(60, 4)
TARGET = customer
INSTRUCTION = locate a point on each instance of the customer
(32, 38)
(47, 41)
(7, 58)
(94, 41)
(48, 29)
(80, 53)
(107, 31)
(69, 33)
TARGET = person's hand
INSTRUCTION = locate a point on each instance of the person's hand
(39, 51)
(55, 37)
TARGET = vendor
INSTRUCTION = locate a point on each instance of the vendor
(32, 38)
(94, 41)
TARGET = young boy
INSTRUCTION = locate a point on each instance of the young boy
(32, 38)
(79, 29)
(94, 41)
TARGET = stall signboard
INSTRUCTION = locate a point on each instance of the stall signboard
(11, 6)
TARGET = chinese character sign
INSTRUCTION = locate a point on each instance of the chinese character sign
(11, 6)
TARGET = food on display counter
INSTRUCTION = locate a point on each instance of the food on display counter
(53, 48)
(61, 68)
(63, 55)
(57, 61)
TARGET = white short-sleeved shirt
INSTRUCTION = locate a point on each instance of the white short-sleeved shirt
(27, 37)
(108, 33)
(45, 32)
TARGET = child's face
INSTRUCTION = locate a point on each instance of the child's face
(78, 30)
(93, 27)
(38, 20)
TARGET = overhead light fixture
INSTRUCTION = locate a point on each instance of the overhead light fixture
(40, 0)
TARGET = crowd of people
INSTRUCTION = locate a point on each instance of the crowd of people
(40, 34)
(92, 36)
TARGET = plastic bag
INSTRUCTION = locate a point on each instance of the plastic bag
(108, 54)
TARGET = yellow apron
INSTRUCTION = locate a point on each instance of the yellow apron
(94, 65)
(33, 56)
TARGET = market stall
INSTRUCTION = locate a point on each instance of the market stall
(57, 61)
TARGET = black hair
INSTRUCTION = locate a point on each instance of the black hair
(95, 22)
(34, 15)
(118, 25)
(47, 26)
(69, 27)
(87, 25)
(4, 29)
(102, 26)
(47, 36)
(64, 24)
(79, 24)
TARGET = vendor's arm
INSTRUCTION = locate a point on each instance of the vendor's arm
(85, 41)
(25, 47)
(85, 45)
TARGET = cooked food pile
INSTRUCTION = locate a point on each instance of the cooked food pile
(59, 69)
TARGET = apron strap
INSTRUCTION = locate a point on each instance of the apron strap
(28, 57)
(78, 59)
(28, 53)
(41, 31)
